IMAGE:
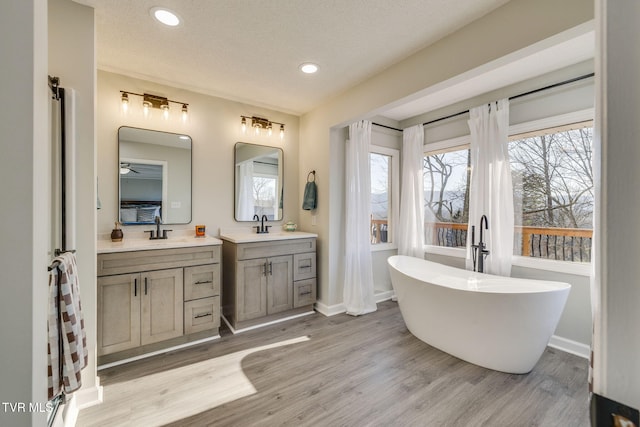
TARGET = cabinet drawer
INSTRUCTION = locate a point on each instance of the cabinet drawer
(156, 259)
(201, 281)
(274, 248)
(304, 292)
(201, 314)
(304, 266)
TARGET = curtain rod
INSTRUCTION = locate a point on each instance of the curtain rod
(520, 95)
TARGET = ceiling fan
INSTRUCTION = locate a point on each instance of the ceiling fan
(125, 168)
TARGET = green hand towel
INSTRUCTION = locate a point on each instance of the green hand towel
(310, 199)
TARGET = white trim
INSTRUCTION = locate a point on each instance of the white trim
(67, 413)
(90, 396)
(382, 296)
(447, 144)
(569, 346)
(552, 121)
(445, 250)
(394, 212)
(332, 310)
(567, 267)
(384, 247)
(261, 325)
(154, 353)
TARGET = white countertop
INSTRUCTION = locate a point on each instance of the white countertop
(247, 237)
(137, 243)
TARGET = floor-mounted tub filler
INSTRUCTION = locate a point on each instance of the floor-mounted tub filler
(500, 323)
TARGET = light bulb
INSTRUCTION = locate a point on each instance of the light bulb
(244, 125)
(145, 108)
(165, 111)
(185, 113)
(281, 131)
(125, 102)
(269, 129)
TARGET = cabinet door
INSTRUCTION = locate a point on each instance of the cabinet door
(162, 305)
(251, 289)
(279, 284)
(118, 313)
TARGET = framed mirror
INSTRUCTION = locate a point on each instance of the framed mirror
(155, 176)
(258, 181)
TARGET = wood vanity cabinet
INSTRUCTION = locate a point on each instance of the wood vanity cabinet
(264, 281)
(152, 296)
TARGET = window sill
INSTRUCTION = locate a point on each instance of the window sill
(566, 267)
(384, 247)
(442, 250)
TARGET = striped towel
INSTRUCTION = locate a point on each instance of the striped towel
(67, 349)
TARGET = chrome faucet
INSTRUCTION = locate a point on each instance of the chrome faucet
(157, 235)
(479, 250)
(261, 229)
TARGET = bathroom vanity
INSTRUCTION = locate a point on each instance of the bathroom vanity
(156, 294)
(267, 277)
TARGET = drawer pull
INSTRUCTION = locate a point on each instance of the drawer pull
(304, 267)
(304, 293)
(197, 316)
(202, 282)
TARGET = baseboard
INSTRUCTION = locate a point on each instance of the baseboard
(332, 310)
(67, 414)
(569, 346)
(385, 296)
(260, 325)
(154, 353)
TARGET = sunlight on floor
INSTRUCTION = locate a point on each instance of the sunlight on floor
(184, 391)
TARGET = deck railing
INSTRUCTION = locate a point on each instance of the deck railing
(565, 244)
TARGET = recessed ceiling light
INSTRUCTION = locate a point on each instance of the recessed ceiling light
(308, 68)
(165, 16)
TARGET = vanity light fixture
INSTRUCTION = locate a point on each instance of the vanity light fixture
(153, 101)
(260, 124)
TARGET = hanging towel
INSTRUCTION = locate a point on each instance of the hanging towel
(65, 324)
(310, 199)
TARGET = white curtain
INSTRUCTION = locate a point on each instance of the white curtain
(411, 224)
(358, 274)
(245, 207)
(491, 191)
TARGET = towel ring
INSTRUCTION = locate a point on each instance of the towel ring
(314, 176)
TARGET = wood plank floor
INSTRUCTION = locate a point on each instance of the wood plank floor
(336, 371)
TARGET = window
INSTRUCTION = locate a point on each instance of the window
(553, 192)
(384, 167)
(446, 190)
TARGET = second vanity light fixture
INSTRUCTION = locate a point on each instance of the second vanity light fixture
(260, 125)
(154, 101)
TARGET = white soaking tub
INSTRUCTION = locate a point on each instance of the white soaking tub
(500, 323)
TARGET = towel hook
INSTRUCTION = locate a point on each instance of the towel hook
(311, 173)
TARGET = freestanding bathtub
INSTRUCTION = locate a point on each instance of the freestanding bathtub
(500, 323)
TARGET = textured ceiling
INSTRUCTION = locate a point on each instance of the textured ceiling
(250, 50)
